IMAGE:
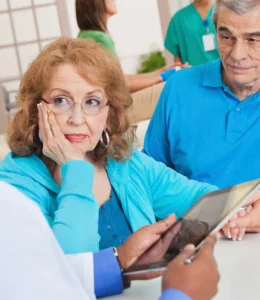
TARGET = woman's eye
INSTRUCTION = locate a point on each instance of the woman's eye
(92, 102)
(60, 101)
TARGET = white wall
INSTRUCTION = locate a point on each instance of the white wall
(167, 8)
(70, 6)
(175, 5)
(23, 32)
(136, 30)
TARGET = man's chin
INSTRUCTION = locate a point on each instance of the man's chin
(243, 80)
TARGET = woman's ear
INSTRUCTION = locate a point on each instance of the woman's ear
(107, 127)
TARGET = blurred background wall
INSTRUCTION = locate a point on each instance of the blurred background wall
(26, 26)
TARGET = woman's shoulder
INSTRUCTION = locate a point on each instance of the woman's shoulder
(100, 37)
(26, 172)
(95, 35)
(144, 163)
(21, 164)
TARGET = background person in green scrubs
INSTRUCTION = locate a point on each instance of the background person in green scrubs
(92, 17)
(191, 34)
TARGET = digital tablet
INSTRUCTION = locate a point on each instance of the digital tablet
(205, 217)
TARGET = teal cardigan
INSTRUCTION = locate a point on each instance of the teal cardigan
(148, 191)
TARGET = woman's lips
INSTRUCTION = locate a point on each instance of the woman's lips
(75, 137)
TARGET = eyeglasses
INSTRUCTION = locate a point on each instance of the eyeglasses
(61, 105)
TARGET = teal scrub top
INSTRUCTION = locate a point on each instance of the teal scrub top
(184, 36)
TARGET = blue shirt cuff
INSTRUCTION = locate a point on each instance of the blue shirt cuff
(107, 274)
(172, 294)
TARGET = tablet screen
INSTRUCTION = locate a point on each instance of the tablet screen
(202, 219)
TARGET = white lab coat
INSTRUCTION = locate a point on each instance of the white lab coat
(32, 264)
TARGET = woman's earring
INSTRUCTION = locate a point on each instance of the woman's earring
(104, 140)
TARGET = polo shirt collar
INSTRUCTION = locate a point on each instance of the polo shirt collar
(213, 76)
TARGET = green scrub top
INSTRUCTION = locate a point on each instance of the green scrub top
(184, 36)
(99, 37)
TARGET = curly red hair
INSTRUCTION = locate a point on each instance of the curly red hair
(95, 64)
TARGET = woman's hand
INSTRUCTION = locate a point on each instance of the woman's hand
(55, 145)
(147, 245)
(246, 220)
(251, 221)
(169, 67)
(174, 65)
(235, 233)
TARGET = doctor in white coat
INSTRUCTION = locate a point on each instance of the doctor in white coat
(33, 266)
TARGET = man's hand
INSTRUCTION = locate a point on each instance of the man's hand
(148, 245)
(199, 279)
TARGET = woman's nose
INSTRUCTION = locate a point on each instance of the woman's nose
(77, 115)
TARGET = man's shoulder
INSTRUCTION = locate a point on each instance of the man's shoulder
(188, 84)
(191, 77)
(188, 77)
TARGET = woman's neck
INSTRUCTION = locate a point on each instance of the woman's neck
(203, 4)
(108, 16)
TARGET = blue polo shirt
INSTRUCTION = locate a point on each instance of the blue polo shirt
(202, 130)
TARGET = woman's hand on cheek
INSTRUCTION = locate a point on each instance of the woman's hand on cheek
(55, 145)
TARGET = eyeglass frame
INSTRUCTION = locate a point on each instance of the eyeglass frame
(73, 103)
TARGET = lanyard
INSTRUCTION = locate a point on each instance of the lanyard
(206, 25)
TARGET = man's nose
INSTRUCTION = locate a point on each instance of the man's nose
(239, 50)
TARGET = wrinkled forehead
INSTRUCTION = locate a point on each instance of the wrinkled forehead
(239, 24)
(68, 76)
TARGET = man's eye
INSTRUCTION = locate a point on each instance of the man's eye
(253, 41)
(226, 38)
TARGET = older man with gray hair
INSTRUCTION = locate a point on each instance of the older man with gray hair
(207, 122)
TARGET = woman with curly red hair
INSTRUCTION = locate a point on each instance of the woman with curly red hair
(73, 154)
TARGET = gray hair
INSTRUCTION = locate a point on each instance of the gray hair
(239, 7)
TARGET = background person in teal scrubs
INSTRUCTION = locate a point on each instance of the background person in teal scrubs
(185, 33)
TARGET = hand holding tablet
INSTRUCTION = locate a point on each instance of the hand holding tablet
(204, 218)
